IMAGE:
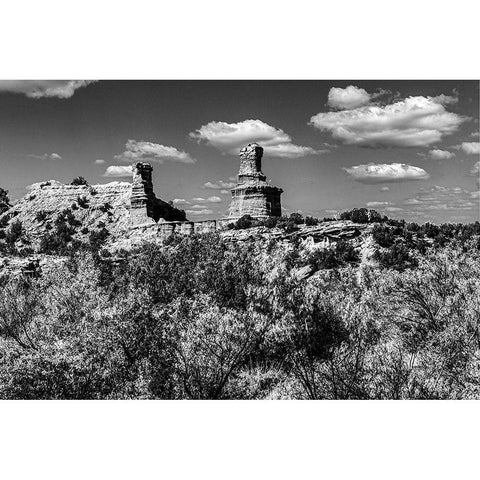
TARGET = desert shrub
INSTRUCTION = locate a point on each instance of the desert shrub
(4, 201)
(244, 222)
(78, 181)
(362, 215)
(74, 206)
(82, 202)
(396, 256)
(297, 218)
(13, 234)
(41, 216)
(270, 222)
(342, 254)
(311, 221)
(98, 237)
(383, 236)
(106, 207)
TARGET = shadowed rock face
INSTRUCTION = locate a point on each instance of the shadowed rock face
(145, 206)
(253, 195)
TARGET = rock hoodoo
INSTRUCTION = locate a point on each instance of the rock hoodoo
(145, 206)
(253, 195)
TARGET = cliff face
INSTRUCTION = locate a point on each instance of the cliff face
(145, 206)
(119, 207)
(253, 195)
(92, 207)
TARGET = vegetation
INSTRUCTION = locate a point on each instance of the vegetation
(200, 317)
(4, 201)
(78, 181)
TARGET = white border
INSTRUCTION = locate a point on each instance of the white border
(239, 40)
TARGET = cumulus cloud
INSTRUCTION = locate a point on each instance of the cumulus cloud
(393, 209)
(347, 98)
(476, 168)
(470, 148)
(46, 156)
(205, 211)
(231, 137)
(118, 171)
(180, 201)
(99, 161)
(219, 185)
(475, 172)
(43, 88)
(384, 189)
(413, 122)
(441, 198)
(154, 152)
(224, 192)
(214, 199)
(378, 204)
(386, 173)
(441, 154)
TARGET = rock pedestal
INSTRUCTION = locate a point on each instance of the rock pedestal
(145, 207)
(253, 195)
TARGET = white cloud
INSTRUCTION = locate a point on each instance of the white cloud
(214, 199)
(475, 134)
(118, 171)
(413, 122)
(219, 184)
(148, 151)
(99, 161)
(231, 137)
(205, 211)
(347, 98)
(46, 156)
(43, 88)
(470, 148)
(180, 201)
(440, 154)
(386, 173)
(198, 199)
(378, 204)
(441, 198)
(475, 172)
(385, 189)
(475, 168)
(224, 192)
(393, 209)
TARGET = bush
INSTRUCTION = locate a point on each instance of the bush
(4, 201)
(98, 237)
(362, 215)
(82, 202)
(244, 222)
(383, 235)
(106, 207)
(78, 181)
(311, 221)
(41, 216)
(397, 257)
(296, 218)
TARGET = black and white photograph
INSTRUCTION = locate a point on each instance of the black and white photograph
(239, 241)
(230, 240)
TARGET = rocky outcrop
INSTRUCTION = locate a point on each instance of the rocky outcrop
(253, 195)
(145, 206)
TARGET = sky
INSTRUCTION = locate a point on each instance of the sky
(408, 149)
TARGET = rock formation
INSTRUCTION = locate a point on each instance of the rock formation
(145, 206)
(253, 195)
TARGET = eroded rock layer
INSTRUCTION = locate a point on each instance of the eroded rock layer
(253, 195)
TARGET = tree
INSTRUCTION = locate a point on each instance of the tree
(4, 201)
(78, 181)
